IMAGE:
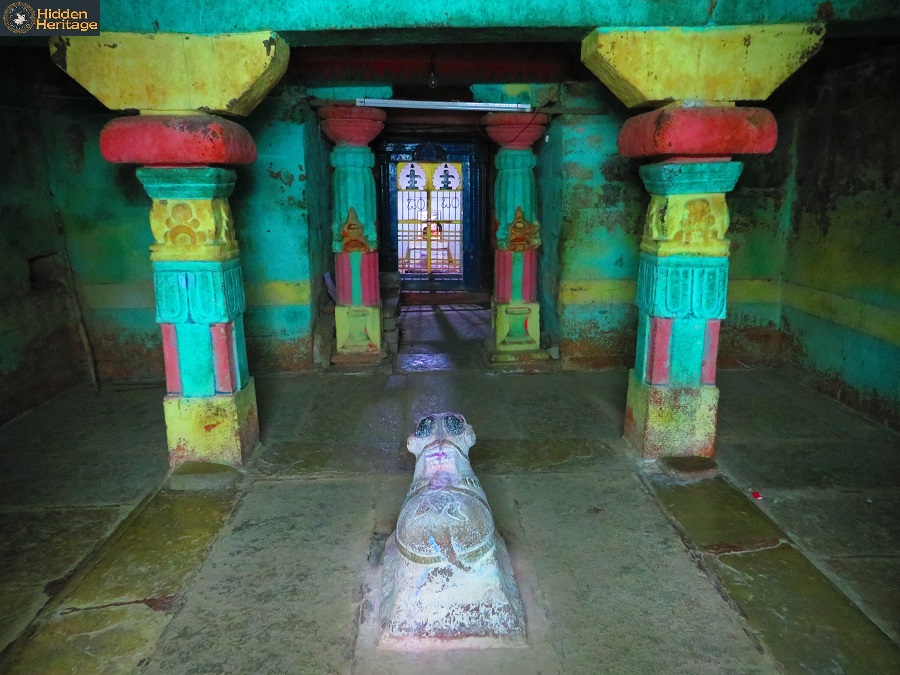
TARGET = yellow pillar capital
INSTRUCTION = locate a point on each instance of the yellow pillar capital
(717, 64)
(175, 73)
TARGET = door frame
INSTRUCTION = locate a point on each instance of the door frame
(473, 153)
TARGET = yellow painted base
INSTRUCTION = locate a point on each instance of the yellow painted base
(663, 421)
(358, 329)
(222, 429)
(517, 326)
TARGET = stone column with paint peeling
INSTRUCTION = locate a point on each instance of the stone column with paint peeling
(183, 150)
(354, 232)
(515, 315)
(695, 76)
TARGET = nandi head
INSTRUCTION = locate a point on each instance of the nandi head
(440, 441)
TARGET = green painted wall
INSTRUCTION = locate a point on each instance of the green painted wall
(40, 353)
(845, 243)
(279, 229)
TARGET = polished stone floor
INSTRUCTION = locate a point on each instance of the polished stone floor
(623, 569)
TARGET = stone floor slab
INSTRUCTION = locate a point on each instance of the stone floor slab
(152, 557)
(813, 463)
(713, 515)
(757, 405)
(280, 590)
(44, 545)
(839, 523)
(111, 640)
(874, 584)
(804, 621)
(285, 459)
(18, 606)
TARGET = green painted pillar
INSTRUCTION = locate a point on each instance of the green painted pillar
(358, 328)
(515, 312)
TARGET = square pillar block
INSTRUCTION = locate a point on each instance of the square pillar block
(223, 429)
(358, 329)
(666, 421)
(517, 326)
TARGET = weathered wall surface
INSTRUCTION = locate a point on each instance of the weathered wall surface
(841, 290)
(40, 352)
(603, 203)
(105, 211)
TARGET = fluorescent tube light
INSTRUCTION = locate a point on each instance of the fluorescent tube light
(442, 105)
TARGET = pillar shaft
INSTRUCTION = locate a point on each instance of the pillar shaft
(210, 403)
(515, 310)
(358, 325)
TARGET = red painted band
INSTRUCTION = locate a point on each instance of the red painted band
(170, 355)
(223, 350)
(344, 280)
(529, 276)
(658, 354)
(502, 276)
(516, 131)
(371, 292)
(351, 125)
(176, 140)
(710, 352)
(700, 132)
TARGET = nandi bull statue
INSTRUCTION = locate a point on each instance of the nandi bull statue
(448, 582)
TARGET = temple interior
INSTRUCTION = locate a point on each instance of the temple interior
(649, 252)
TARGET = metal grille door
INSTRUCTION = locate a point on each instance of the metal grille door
(430, 220)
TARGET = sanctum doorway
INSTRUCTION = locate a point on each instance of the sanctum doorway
(435, 234)
(432, 214)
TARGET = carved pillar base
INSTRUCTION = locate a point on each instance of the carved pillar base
(516, 326)
(358, 332)
(223, 429)
(664, 421)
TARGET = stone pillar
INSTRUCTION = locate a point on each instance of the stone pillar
(683, 275)
(695, 75)
(177, 82)
(354, 232)
(210, 405)
(515, 311)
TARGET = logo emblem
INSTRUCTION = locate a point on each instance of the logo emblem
(18, 18)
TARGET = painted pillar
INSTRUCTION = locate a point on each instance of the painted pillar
(354, 231)
(515, 311)
(210, 404)
(184, 150)
(695, 75)
(672, 399)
